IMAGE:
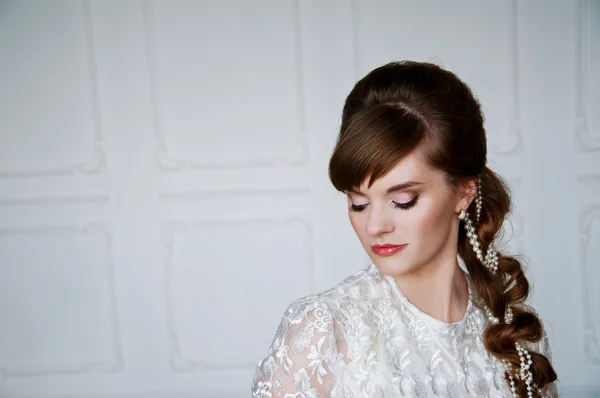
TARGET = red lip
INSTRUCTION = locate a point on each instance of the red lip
(387, 250)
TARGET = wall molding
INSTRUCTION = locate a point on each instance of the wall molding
(114, 361)
(296, 154)
(194, 195)
(56, 200)
(513, 139)
(514, 134)
(179, 361)
(591, 297)
(97, 163)
(588, 178)
(584, 140)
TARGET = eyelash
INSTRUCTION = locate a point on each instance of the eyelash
(403, 206)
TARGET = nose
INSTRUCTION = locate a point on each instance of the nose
(379, 221)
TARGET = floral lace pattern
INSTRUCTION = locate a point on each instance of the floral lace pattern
(363, 338)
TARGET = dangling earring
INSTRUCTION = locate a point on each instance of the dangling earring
(491, 258)
(478, 201)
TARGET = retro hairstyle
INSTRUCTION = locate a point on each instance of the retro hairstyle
(403, 106)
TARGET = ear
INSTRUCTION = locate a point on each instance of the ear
(466, 194)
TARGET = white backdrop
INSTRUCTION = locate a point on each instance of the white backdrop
(163, 176)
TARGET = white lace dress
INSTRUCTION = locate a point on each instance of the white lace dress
(363, 338)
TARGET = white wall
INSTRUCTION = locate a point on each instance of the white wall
(163, 176)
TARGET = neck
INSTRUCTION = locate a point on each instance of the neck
(439, 289)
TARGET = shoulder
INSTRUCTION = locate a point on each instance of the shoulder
(352, 288)
(311, 344)
(327, 311)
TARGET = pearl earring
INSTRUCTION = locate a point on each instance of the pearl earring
(491, 257)
(478, 201)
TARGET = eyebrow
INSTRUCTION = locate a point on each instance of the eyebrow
(399, 187)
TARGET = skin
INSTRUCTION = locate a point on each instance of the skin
(427, 270)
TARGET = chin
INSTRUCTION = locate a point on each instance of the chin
(391, 266)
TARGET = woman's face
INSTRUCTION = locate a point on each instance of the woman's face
(412, 208)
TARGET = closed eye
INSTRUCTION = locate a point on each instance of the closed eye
(403, 206)
(407, 205)
(357, 208)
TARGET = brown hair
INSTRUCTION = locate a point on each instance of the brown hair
(402, 106)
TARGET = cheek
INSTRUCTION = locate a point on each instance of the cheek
(427, 221)
(354, 221)
(358, 225)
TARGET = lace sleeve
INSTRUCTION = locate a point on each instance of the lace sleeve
(303, 356)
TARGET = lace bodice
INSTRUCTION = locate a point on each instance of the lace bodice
(363, 338)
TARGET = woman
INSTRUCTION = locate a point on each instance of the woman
(411, 158)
